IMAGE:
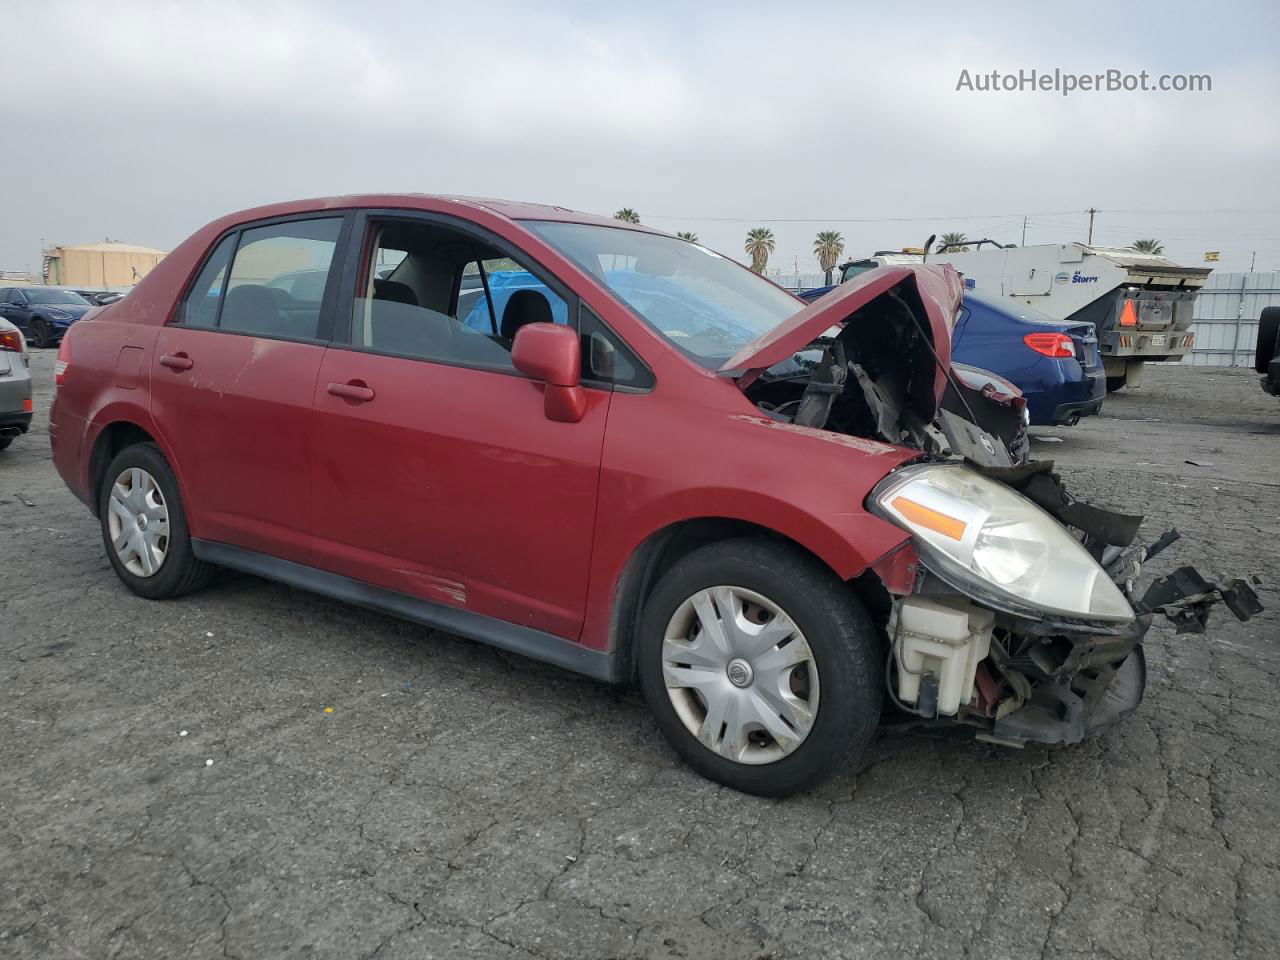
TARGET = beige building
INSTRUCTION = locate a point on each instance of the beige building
(99, 265)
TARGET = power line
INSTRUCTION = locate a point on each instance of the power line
(985, 216)
(982, 216)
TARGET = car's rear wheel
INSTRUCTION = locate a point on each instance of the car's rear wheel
(4, 442)
(1116, 383)
(760, 666)
(144, 526)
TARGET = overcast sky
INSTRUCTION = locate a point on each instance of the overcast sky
(140, 122)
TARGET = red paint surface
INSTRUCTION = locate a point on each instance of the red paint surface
(451, 483)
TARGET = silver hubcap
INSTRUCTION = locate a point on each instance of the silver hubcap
(138, 522)
(740, 675)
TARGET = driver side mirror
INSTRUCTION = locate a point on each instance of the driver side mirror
(550, 352)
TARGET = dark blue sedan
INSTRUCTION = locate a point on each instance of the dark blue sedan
(1055, 363)
(43, 314)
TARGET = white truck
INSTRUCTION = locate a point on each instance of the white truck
(1139, 303)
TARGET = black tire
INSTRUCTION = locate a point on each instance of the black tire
(180, 572)
(41, 333)
(4, 442)
(1117, 383)
(847, 651)
(1268, 338)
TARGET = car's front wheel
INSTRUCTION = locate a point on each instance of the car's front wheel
(42, 332)
(760, 666)
(144, 526)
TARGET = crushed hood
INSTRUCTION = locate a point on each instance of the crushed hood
(938, 288)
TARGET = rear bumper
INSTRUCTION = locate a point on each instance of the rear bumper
(15, 423)
(66, 439)
(1076, 393)
(15, 398)
(1154, 345)
(1066, 414)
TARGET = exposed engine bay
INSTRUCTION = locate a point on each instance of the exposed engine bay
(875, 379)
(964, 641)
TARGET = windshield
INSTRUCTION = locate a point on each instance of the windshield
(54, 296)
(851, 270)
(706, 305)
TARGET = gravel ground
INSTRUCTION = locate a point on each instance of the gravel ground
(172, 783)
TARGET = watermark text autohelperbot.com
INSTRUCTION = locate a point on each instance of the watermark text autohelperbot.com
(1064, 83)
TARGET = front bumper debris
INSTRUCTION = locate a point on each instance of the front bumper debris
(1061, 713)
(1047, 680)
(1185, 597)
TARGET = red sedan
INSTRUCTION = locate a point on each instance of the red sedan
(597, 445)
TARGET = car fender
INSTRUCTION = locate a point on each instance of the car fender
(670, 458)
(848, 540)
(113, 412)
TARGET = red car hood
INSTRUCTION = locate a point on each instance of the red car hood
(939, 289)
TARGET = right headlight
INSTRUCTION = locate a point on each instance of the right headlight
(979, 534)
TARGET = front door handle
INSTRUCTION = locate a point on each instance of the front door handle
(176, 361)
(356, 390)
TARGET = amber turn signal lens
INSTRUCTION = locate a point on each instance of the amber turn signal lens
(927, 517)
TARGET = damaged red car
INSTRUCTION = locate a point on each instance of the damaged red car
(622, 453)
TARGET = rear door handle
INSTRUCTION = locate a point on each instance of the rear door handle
(176, 361)
(356, 390)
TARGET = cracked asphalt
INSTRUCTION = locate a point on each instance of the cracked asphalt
(461, 802)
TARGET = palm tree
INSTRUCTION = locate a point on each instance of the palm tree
(1153, 247)
(759, 246)
(956, 242)
(828, 246)
(628, 215)
(688, 235)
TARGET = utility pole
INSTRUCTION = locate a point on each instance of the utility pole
(1024, 231)
(1253, 258)
(1092, 211)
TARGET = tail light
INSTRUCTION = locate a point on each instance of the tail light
(1128, 315)
(63, 363)
(1051, 344)
(11, 340)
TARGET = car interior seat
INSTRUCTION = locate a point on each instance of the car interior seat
(524, 307)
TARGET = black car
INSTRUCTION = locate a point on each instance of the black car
(43, 314)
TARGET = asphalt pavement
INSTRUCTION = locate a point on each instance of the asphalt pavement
(255, 772)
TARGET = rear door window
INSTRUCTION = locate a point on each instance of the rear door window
(278, 279)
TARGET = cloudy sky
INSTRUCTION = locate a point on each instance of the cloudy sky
(142, 121)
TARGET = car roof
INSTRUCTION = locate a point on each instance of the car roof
(438, 203)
